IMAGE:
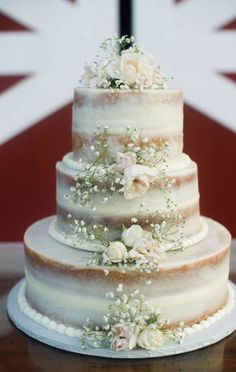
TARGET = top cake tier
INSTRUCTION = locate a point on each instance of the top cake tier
(158, 113)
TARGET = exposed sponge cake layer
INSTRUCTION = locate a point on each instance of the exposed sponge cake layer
(159, 113)
(189, 286)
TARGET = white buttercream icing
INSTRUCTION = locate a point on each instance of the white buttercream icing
(181, 294)
(57, 234)
(75, 332)
(182, 162)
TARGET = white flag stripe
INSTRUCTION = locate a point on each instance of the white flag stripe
(222, 93)
(31, 101)
(21, 53)
(207, 14)
(193, 54)
(62, 47)
(40, 14)
(222, 54)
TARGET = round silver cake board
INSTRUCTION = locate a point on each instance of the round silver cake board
(214, 333)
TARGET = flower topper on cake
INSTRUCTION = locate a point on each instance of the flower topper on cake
(123, 65)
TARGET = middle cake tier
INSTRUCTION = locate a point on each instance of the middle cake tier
(118, 211)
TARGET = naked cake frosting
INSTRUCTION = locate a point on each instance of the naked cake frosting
(128, 260)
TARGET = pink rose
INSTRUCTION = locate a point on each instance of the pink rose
(124, 160)
(150, 249)
(124, 337)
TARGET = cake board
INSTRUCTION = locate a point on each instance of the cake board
(214, 333)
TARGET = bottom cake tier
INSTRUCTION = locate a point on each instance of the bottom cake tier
(62, 285)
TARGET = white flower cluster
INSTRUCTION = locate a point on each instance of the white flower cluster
(136, 245)
(123, 65)
(136, 177)
(132, 322)
(130, 172)
(147, 151)
(139, 164)
(169, 231)
(96, 183)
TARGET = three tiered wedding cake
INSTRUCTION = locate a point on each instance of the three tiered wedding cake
(128, 261)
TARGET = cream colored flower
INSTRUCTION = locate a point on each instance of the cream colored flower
(148, 248)
(90, 77)
(137, 180)
(124, 337)
(116, 252)
(147, 235)
(150, 338)
(136, 68)
(134, 254)
(131, 235)
(124, 160)
(112, 69)
(130, 69)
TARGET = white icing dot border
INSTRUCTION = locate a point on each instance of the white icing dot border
(76, 332)
(42, 319)
(226, 309)
(58, 235)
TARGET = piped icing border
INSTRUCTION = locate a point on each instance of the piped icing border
(58, 235)
(76, 332)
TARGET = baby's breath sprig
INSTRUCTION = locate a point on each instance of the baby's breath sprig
(81, 232)
(128, 310)
(96, 183)
(94, 336)
(115, 45)
(125, 42)
(169, 231)
(112, 47)
(146, 151)
(132, 308)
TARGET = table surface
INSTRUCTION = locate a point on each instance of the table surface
(19, 352)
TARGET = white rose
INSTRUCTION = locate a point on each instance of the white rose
(148, 248)
(124, 337)
(131, 235)
(137, 180)
(116, 252)
(136, 68)
(150, 338)
(146, 68)
(112, 69)
(136, 187)
(129, 71)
